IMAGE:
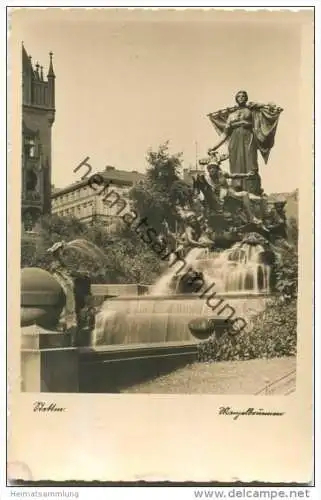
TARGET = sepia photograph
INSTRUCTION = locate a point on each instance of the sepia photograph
(165, 222)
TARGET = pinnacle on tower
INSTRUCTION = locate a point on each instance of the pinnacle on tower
(51, 73)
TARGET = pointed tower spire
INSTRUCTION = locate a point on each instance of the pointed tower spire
(51, 83)
(26, 60)
(51, 71)
(41, 73)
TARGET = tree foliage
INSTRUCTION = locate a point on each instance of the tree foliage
(162, 191)
(127, 258)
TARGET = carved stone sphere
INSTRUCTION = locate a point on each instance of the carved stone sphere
(42, 298)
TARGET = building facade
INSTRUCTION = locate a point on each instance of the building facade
(38, 116)
(90, 204)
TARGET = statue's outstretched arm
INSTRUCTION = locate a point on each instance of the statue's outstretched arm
(271, 107)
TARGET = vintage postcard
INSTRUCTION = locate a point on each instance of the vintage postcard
(161, 222)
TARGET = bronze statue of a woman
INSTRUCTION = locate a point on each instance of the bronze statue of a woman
(248, 127)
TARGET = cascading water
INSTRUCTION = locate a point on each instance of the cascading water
(163, 285)
(238, 269)
(163, 316)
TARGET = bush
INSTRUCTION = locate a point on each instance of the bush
(286, 272)
(274, 334)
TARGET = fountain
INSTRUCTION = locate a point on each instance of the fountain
(208, 288)
(244, 267)
(231, 284)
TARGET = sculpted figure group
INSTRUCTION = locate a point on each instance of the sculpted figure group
(232, 203)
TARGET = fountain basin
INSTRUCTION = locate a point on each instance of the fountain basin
(109, 368)
(139, 338)
(166, 318)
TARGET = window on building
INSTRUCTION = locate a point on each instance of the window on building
(30, 147)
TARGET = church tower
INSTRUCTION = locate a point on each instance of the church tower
(38, 116)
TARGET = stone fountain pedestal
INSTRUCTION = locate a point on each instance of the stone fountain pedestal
(48, 363)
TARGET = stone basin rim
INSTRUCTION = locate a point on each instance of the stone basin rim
(230, 295)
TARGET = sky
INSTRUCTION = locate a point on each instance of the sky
(126, 83)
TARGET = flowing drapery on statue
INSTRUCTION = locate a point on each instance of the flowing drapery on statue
(248, 128)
